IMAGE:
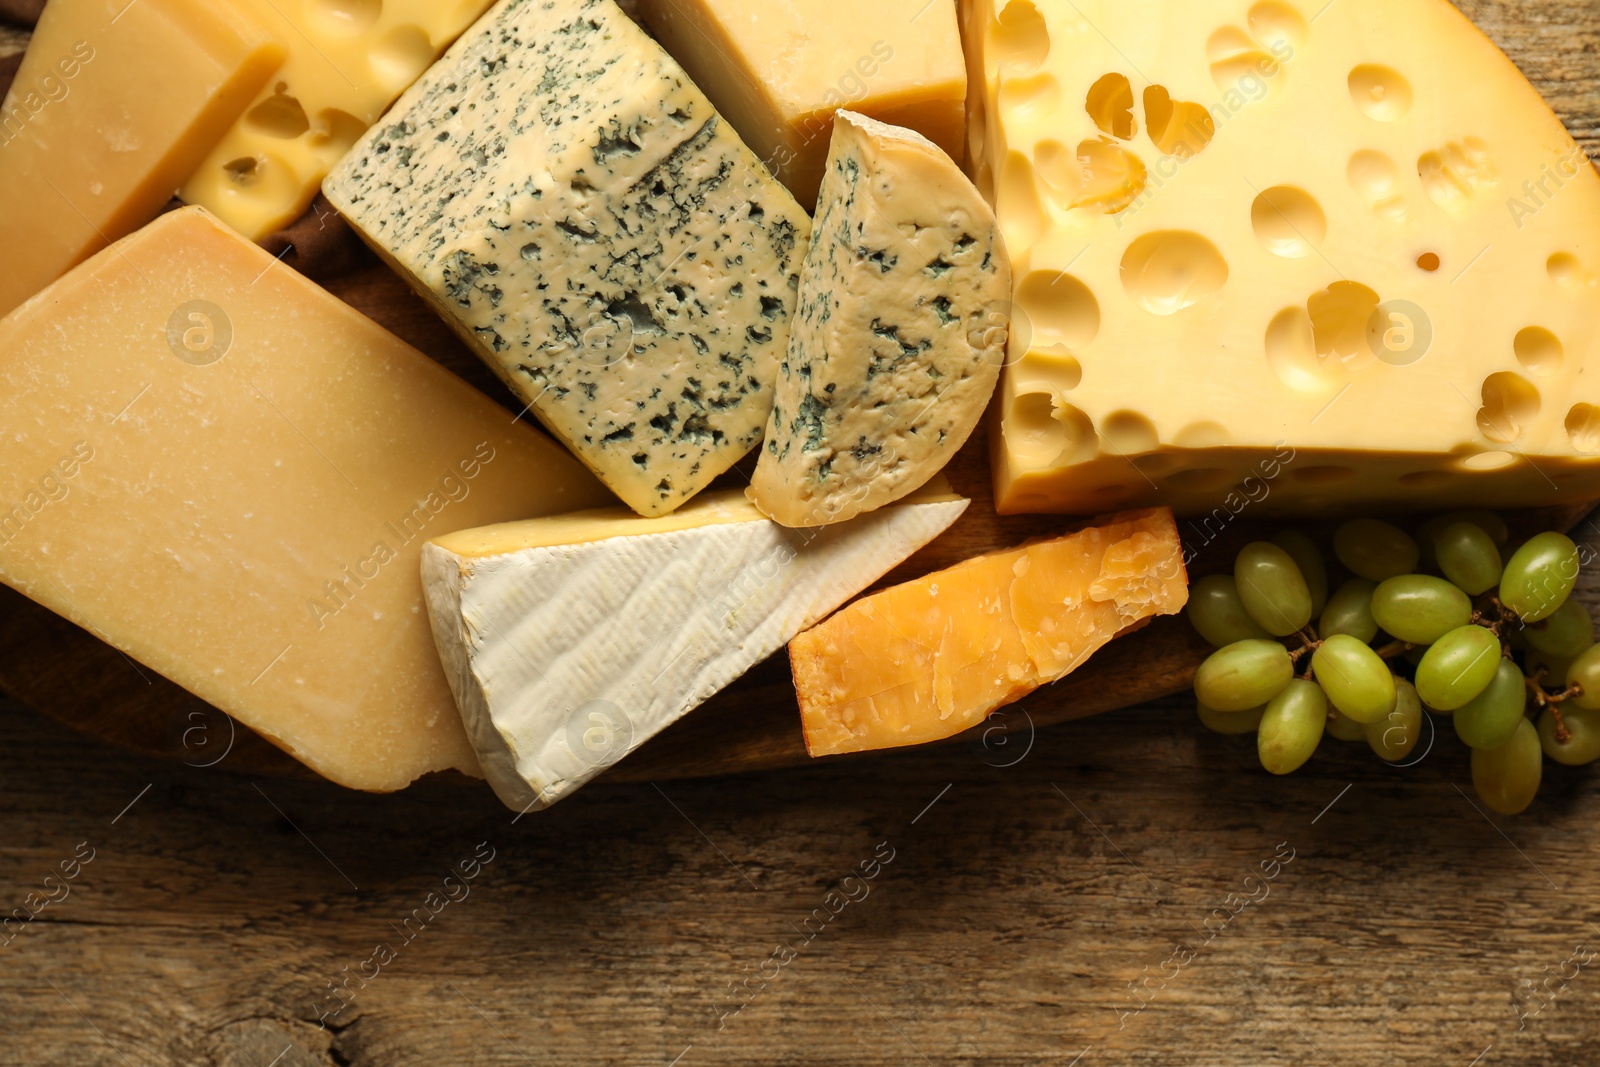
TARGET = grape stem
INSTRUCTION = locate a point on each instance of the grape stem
(1393, 649)
(1310, 642)
(1553, 701)
(1496, 621)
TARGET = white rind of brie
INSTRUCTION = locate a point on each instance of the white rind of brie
(570, 641)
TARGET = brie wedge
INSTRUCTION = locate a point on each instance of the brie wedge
(569, 641)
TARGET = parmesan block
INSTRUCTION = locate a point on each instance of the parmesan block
(902, 330)
(114, 103)
(347, 62)
(780, 70)
(1312, 256)
(570, 641)
(221, 470)
(928, 659)
(577, 211)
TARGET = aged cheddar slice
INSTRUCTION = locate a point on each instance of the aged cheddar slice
(904, 298)
(1339, 255)
(931, 658)
(780, 70)
(575, 208)
(570, 641)
(229, 475)
(113, 105)
(347, 62)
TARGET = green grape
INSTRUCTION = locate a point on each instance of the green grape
(1566, 633)
(1539, 576)
(1458, 667)
(1217, 614)
(1429, 531)
(1230, 722)
(1489, 719)
(1374, 549)
(1582, 745)
(1243, 675)
(1313, 568)
(1507, 778)
(1468, 557)
(1585, 672)
(1349, 611)
(1355, 678)
(1419, 609)
(1272, 589)
(1487, 521)
(1292, 727)
(1395, 735)
(1343, 728)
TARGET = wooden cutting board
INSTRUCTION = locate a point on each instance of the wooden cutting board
(69, 675)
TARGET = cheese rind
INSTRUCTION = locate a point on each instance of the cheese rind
(579, 213)
(901, 333)
(928, 659)
(1273, 256)
(571, 641)
(346, 63)
(215, 466)
(780, 74)
(113, 105)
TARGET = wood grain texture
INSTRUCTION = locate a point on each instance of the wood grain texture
(1023, 906)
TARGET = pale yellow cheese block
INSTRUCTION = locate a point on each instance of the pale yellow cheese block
(113, 105)
(1286, 256)
(778, 71)
(220, 469)
(348, 60)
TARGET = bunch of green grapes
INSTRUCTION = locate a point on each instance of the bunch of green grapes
(1441, 622)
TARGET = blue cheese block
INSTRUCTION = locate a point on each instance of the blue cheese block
(576, 209)
(904, 309)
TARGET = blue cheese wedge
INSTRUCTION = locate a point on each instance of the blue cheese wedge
(575, 208)
(569, 641)
(901, 333)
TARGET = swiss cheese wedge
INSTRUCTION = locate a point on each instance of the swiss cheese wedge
(930, 658)
(347, 62)
(1350, 234)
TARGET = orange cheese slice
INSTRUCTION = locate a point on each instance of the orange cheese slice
(931, 658)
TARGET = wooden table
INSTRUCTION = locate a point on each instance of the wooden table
(1076, 906)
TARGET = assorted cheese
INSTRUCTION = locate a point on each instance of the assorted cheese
(233, 478)
(215, 466)
(779, 71)
(1352, 234)
(576, 209)
(93, 142)
(347, 62)
(570, 641)
(900, 336)
(928, 659)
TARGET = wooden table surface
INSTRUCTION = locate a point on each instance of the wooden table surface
(1095, 894)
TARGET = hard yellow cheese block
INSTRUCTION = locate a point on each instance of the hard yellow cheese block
(348, 60)
(779, 70)
(1310, 256)
(930, 658)
(113, 105)
(229, 475)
